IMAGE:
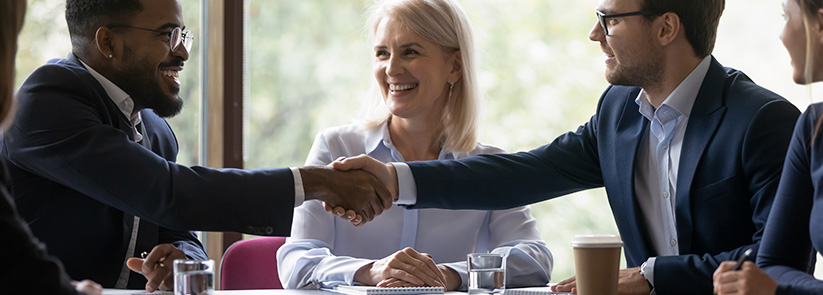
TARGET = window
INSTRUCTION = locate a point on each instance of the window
(309, 65)
(46, 24)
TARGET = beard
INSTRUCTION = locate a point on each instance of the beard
(140, 81)
(646, 72)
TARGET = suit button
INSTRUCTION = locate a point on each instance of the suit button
(269, 230)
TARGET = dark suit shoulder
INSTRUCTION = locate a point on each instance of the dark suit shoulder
(62, 72)
(741, 90)
(64, 91)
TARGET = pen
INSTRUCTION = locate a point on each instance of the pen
(159, 262)
(742, 259)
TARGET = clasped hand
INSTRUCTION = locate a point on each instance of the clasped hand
(629, 281)
(407, 268)
(356, 189)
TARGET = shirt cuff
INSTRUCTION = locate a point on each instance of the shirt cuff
(406, 185)
(299, 193)
(649, 272)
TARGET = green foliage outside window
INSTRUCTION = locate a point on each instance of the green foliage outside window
(309, 66)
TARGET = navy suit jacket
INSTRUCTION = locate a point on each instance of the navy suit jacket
(79, 179)
(730, 165)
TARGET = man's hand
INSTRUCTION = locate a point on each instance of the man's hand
(384, 172)
(356, 190)
(629, 281)
(748, 280)
(157, 267)
(406, 267)
(567, 285)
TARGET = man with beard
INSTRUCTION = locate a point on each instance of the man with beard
(92, 159)
(690, 152)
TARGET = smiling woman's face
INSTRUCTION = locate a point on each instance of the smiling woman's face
(413, 73)
(794, 39)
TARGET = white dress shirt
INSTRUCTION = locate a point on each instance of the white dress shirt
(324, 250)
(657, 160)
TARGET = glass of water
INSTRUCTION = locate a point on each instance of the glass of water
(487, 273)
(193, 277)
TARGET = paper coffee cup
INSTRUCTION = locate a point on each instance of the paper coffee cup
(596, 263)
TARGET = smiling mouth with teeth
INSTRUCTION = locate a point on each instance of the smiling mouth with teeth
(403, 87)
(171, 74)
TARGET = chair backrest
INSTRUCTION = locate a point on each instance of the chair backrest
(251, 264)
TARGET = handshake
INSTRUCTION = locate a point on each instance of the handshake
(356, 189)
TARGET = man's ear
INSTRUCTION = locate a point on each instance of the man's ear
(105, 41)
(457, 67)
(816, 25)
(670, 28)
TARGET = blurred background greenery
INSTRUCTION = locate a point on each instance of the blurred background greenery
(309, 66)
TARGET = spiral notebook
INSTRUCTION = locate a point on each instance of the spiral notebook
(372, 290)
(533, 291)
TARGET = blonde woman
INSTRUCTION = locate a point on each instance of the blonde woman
(793, 233)
(28, 269)
(424, 108)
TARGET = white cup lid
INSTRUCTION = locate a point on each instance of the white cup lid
(596, 241)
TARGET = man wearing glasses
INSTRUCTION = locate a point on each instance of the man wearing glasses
(92, 159)
(689, 152)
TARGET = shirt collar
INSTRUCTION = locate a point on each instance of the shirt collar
(117, 95)
(379, 138)
(375, 138)
(683, 97)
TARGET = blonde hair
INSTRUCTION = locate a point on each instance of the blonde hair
(11, 21)
(444, 23)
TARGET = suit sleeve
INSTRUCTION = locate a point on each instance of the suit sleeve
(499, 181)
(764, 148)
(786, 253)
(61, 134)
(186, 241)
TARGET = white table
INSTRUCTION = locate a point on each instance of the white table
(246, 292)
(228, 292)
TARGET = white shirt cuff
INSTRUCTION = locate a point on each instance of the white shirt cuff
(649, 272)
(406, 185)
(299, 193)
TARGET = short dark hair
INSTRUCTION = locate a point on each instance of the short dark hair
(84, 17)
(699, 18)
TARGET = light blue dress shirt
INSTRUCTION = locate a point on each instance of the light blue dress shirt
(324, 250)
(658, 160)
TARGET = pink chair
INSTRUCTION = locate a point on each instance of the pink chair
(251, 264)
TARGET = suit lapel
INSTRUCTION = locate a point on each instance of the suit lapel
(630, 130)
(705, 118)
(120, 121)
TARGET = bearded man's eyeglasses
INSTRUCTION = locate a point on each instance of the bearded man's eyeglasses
(176, 36)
